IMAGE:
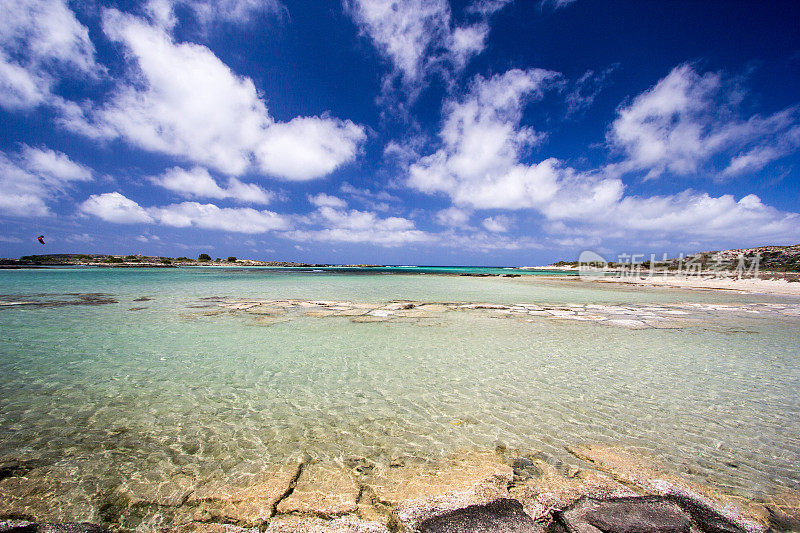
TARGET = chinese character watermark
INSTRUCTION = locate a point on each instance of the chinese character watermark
(739, 265)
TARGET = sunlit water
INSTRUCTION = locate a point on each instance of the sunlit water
(108, 394)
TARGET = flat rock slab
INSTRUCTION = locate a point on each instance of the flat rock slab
(326, 490)
(421, 491)
(784, 509)
(206, 527)
(549, 489)
(249, 506)
(652, 477)
(261, 310)
(22, 526)
(500, 516)
(369, 318)
(46, 495)
(624, 515)
(171, 492)
(320, 313)
(346, 524)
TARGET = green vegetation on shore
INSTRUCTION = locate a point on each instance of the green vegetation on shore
(770, 258)
(109, 260)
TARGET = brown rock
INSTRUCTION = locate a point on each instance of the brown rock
(433, 308)
(421, 491)
(325, 490)
(170, 493)
(205, 527)
(250, 506)
(626, 515)
(551, 490)
(263, 310)
(653, 477)
(349, 312)
(47, 494)
(369, 318)
(269, 320)
(784, 509)
(413, 313)
(345, 524)
(320, 313)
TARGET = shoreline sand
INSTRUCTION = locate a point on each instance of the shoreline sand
(772, 285)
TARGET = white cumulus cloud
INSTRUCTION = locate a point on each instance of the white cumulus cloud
(183, 101)
(497, 224)
(210, 12)
(453, 217)
(326, 200)
(483, 145)
(33, 177)
(419, 37)
(114, 207)
(335, 224)
(41, 41)
(478, 164)
(198, 183)
(117, 208)
(210, 216)
(687, 119)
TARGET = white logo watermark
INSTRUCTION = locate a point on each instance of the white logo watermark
(739, 265)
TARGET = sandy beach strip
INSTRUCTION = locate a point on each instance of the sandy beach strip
(766, 284)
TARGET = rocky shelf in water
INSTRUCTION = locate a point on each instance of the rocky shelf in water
(608, 489)
(629, 316)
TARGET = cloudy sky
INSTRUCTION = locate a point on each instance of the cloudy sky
(492, 132)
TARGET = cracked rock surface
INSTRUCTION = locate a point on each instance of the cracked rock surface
(614, 491)
(324, 490)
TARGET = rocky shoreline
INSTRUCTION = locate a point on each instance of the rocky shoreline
(607, 488)
(267, 312)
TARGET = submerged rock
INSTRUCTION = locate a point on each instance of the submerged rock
(349, 312)
(369, 318)
(413, 313)
(269, 320)
(47, 494)
(418, 492)
(320, 313)
(22, 526)
(326, 490)
(540, 494)
(206, 527)
(264, 310)
(171, 492)
(346, 524)
(652, 477)
(250, 506)
(433, 308)
(784, 510)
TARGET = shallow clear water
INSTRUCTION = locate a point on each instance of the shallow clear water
(109, 394)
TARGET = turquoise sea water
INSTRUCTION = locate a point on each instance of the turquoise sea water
(102, 394)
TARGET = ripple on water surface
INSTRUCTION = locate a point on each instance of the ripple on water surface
(101, 399)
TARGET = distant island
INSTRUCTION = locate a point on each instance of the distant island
(768, 258)
(110, 260)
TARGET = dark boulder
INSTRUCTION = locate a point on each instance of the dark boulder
(646, 514)
(500, 516)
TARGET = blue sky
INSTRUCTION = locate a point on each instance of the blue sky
(488, 132)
